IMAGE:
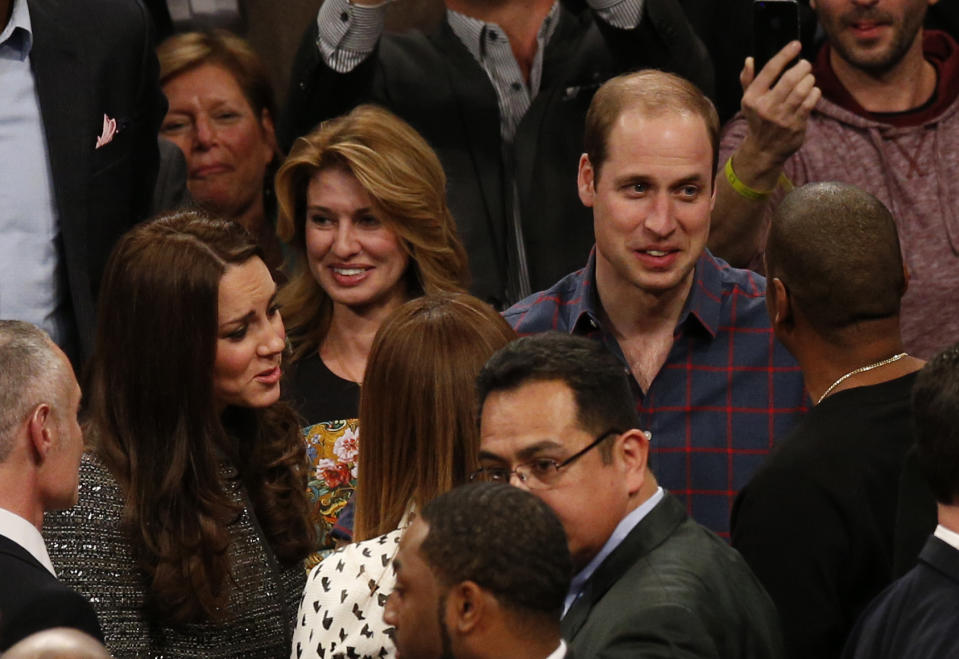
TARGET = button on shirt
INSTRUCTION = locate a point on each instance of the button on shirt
(726, 393)
(29, 279)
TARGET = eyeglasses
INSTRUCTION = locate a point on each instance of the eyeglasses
(539, 472)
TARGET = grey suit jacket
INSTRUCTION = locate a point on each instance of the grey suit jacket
(673, 589)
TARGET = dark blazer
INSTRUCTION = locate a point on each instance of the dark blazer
(89, 59)
(917, 617)
(435, 84)
(31, 599)
(673, 589)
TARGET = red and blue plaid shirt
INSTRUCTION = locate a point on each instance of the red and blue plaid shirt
(727, 392)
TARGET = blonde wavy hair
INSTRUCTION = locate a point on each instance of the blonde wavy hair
(407, 186)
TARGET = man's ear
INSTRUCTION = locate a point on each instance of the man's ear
(586, 181)
(40, 431)
(466, 605)
(780, 312)
(633, 448)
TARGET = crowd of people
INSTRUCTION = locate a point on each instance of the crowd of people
(495, 340)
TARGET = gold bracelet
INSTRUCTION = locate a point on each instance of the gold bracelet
(741, 188)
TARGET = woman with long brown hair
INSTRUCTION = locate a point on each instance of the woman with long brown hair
(363, 203)
(420, 439)
(191, 525)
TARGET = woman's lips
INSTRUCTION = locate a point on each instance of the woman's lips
(349, 275)
(208, 170)
(271, 376)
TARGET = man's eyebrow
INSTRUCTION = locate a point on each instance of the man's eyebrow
(692, 178)
(397, 564)
(538, 447)
(524, 453)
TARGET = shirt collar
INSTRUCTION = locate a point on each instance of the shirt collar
(947, 535)
(583, 310)
(27, 536)
(471, 31)
(16, 40)
(703, 304)
(559, 652)
(619, 534)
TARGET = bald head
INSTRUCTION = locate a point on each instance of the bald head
(58, 643)
(836, 250)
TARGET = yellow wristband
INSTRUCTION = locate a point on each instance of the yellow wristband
(741, 188)
(785, 183)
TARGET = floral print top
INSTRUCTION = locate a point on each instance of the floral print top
(332, 448)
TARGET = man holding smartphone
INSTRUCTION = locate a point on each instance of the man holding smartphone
(878, 109)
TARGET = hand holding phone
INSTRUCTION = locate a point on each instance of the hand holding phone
(775, 24)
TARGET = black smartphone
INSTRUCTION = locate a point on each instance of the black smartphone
(775, 23)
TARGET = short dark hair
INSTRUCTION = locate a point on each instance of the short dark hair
(836, 249)
(935, 409)
(654, 93)
(598, 382)
(505, 540)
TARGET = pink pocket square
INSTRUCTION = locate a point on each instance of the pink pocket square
(109, 130)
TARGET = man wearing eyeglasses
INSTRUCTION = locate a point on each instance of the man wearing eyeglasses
(557, 418)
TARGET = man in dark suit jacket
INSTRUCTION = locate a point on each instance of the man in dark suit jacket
(438, 85)
(95, 78)
(40, 448)
(557, 418)
(918, 616)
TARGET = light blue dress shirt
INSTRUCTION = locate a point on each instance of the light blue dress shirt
(619, 534)
(30, 283)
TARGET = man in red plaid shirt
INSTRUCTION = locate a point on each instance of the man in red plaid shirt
(710, 380)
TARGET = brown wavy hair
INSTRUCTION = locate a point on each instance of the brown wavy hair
(153, 421)
(406, 184)
(417, 407)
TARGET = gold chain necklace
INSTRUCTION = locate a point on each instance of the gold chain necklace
(861, 369)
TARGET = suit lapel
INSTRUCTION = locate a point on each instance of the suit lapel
(479, 112)
(10, 548)
(941, 556)
(652, 531)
